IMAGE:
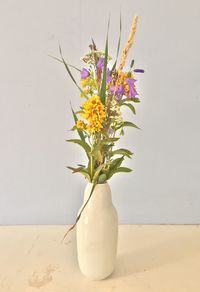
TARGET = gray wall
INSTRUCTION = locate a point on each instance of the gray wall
(35, 91)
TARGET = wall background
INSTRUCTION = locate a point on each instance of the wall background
(35, 91)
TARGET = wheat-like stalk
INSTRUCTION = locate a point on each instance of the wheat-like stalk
(128, 43)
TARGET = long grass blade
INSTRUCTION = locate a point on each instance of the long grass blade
(69, 72)
(59, 60)
(119, 43)
(103, 83)
(79, 215)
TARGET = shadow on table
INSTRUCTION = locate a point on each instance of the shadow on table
(165, 252)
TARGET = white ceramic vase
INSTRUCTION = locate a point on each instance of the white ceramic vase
(97, 232)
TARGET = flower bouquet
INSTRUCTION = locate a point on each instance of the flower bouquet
(105, 89)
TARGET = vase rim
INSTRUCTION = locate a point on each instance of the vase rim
(98, 184)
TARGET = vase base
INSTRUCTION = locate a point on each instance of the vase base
(97, 277)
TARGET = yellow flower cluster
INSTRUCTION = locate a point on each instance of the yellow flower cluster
(89, 85)
(94, 113)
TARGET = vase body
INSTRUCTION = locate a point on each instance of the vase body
(97, 232)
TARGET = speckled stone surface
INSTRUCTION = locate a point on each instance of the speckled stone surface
(157, 258)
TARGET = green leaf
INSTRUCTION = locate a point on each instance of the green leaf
(118, 46)
(122, 151)
(69, 72)
(121, 169)
(81, 170)
(129, 105)
(83, 144)
(109, 140)
(81, 135)
(114, 165)
(75, 169)
(116, 162)
(130, 124)
(127, 124)
(82, 165)
(129, 99)
(103, 83)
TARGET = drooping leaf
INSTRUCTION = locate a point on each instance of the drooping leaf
(110, 140)
(102, 93)
(81, 170)
(83, 144)
(119, 42)
(129, 105)
(81, 211)
(119, 169)
(128, 124)
(122, 151)
(129, 99)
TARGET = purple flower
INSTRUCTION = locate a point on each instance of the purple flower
(84, 73)
(108, 76)
(130, 81)
(131, 84)
(138, 70)
(112, 89)
(100, 63)
(118, 91)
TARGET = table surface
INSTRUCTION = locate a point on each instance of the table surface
(150, 258)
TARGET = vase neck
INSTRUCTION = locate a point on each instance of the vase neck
(101, 195)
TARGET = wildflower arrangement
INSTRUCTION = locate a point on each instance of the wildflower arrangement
(99, 122)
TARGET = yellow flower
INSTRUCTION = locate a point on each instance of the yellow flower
(89, 82)
(85, 82)
(94, 126)
(80, 124)
(94, 113)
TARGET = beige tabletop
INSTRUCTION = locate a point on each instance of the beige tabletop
(157, 258)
